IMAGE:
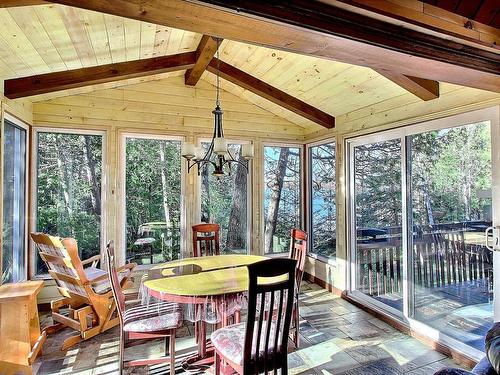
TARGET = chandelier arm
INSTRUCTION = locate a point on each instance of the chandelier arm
(245, 165)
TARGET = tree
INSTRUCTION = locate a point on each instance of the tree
(276, 187)
(236, 235)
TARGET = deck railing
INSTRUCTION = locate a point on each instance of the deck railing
(439, 259)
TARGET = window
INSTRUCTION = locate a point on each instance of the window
(378, 221)
(68, 189)
(282, 196)
(322, 221)
(14, 203)
(152, 199)
(224, 201)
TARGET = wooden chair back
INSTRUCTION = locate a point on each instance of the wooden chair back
(205, 239)
(64, 265)
(114, 281)
(266, 336)
(298, 251)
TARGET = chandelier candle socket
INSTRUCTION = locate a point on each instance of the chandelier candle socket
(218, 154)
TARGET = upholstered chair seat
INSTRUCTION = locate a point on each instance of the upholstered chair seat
(155, 317)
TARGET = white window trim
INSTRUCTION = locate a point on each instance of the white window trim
(262, 178)
(308, 206)
(34, 185)
(250, 187)
(21, 124)
(121, 240)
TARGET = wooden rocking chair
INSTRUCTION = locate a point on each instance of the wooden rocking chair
(87, 298)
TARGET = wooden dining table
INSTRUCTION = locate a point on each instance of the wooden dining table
(201, 283)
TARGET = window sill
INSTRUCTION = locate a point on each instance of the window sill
(330, 261)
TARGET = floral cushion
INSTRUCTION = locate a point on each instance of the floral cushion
(154, 317)
(230, 341)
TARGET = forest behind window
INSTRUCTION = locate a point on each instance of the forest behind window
(282, 196)
(153, 199)
(322, 199)
(224, 201)
(69, 172)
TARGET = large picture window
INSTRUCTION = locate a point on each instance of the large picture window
(152, 199)
(68, 193)
(323, 208)
(224, 200)
(282, 196)
(14, 203)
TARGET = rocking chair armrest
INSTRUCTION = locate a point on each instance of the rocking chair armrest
(128, 266)
(94, 259)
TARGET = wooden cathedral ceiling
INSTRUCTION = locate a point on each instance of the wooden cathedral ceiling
(45, 39)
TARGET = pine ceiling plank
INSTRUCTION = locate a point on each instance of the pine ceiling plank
(148, 33)
(189, 41)
(55, 28)
(204, 54)
(19, 44)
(423, 88)
(77, 31)
(162, 38)
(116, 37)
(40, 84)
(132, 39)
(96, 28)
(31, 27)
(174, 41)
(271, 93)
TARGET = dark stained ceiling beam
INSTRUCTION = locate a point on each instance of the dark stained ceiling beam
(70, 79)
(265, 90)
(204, 54)
(319, 29)
(425, 89)
(21, 3)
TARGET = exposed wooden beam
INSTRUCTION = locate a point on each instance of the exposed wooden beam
(204, 54)
(50, 82)
(425, 89)
(21, 3)
(319, 29)
(265, 90)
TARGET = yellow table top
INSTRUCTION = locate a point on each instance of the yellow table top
(214, 275)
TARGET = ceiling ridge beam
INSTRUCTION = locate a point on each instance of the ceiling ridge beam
(70, 79)
(425, 89)
(271, 93)
(204, 53)
(319, 29)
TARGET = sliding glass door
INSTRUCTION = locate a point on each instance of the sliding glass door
(421, 201)
(378, 220)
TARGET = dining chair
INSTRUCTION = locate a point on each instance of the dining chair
(154, 321)
(260, 344)
(85, 291)
(205, 239)
(298, 251)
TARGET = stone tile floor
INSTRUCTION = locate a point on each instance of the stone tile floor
(336, 338)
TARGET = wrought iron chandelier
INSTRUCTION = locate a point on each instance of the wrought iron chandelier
(218, 154)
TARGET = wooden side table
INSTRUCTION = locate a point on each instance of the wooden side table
(21, 339)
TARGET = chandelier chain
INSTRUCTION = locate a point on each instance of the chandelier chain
(218, 70)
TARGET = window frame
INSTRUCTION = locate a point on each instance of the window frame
(302, 216)
(121, 240)
(34, 187)
(197, 205)
(308, 182)
(23, 125)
